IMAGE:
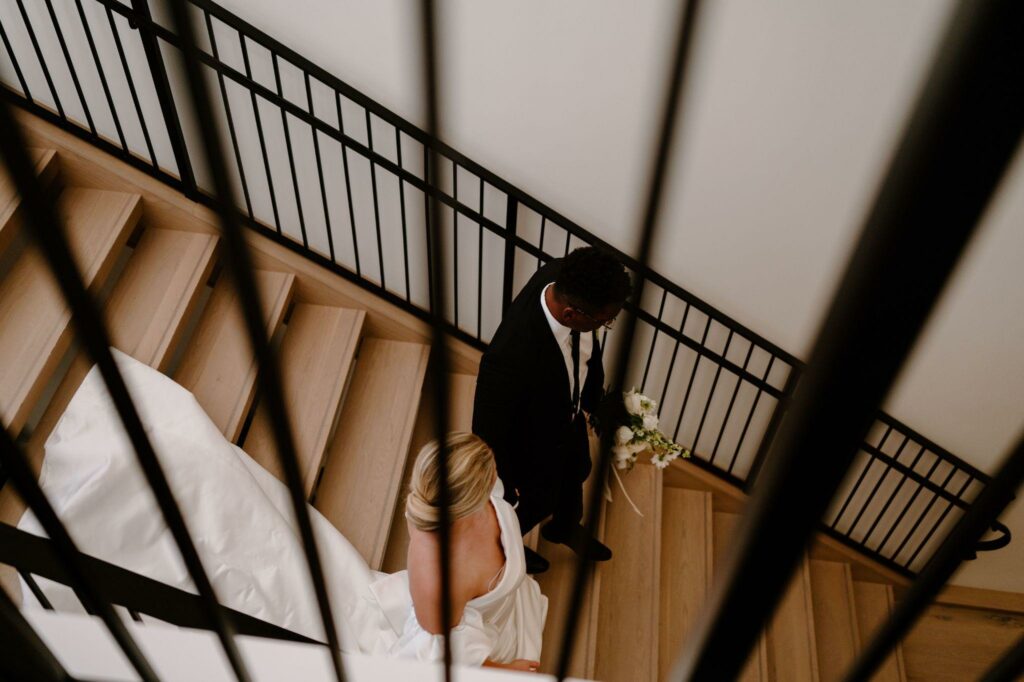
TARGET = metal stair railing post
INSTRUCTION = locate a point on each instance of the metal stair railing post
(960, 137)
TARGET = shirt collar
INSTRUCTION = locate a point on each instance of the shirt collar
(560, 331)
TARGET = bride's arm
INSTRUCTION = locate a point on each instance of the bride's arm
(518, 664)
(425, 589)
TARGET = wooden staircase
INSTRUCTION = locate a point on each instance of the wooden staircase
(354, 369)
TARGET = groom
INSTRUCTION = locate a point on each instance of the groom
(541, 372)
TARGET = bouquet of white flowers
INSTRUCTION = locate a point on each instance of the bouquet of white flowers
(640, 434)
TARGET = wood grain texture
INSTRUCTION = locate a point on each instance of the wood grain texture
(874, 604)
(950, 644)
(628, 601)
(35, 322)
(686, 568)
(317, 354)
(218, 366)
(792, 650)
(724, 526)
(835, 618)
(365, 461)
(45, 162)
(461, 389)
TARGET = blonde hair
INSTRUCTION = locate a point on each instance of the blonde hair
(471, 474)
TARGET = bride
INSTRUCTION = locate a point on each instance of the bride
(240, 519)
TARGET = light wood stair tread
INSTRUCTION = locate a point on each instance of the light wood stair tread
(218, 366)
(949, 643)
(317, 353)
(874, 603)
(461, 390)
(835, 618)
(45, 163)
(686, 568)
(35, 329)
(367, 456)
(144, 316)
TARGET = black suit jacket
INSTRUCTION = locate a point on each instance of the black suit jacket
(523, 404)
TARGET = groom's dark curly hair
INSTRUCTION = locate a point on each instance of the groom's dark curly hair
(592, 279)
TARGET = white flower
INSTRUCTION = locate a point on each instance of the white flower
(650, 421)
(636, 447)
(648, 406)
(661, 462)
(623, 457)
(632, 402)
(623, 435)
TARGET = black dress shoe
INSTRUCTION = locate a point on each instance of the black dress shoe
(578, 540)
(535, 563)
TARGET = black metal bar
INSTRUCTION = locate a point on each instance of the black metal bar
(933, 446)
(259, 133)
(230, 118)
(240, 267)
(732, 402)
(540, 244)
(675, 352)
(88, 322)
(689, 384)
(711, 393)
(568, 238)
(908, 506)
(348, 184)
(792, 381)
(405, 227)
(892, 496)
(34, 660)
(654, 341)
(924, 514)
(14, 61)
(71, 65)
(376, 203)
(34, 588)
(480, 267)
(509, 275)
(102, 74)
(455, 243)
(21, 475)
(938, 523)
(135, 97)
(959, 139)
(288, 146)
(968, 530)
(431, 57)
(1009, 667)
(426, 224)
(320, 170)
(876, 487)
(163, 92)
(42, 61)
(750, 415)
(671, 104)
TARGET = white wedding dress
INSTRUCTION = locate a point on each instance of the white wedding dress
(240, 518)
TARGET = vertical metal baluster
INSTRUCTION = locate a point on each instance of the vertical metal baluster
(319, 167)
(732, 401)
(376, 203)
(480, 267)
(348, 184)
(230, 118)
(40, 596)
(907, 507)
(750, 415)
(455, 241)
(675, 352)
(568, 238)
(71, 65)
(654, 340)
(892, 496)
(426, 223)
(540, 244)
(689, 385)
(931, 503)
(14, 61)
(405, 227)
(511, 229)
(131, 88)
(860, 479)
(288, 146)
(39, 56)
(878, 484)
(942, 517)
(102, 75)
(711, 393)
(34, 660)
(259, 133)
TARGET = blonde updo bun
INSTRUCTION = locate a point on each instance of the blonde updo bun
(471, 475)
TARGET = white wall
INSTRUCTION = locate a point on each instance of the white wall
(792, 112)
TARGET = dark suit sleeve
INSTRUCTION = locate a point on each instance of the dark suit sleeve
(500, 394)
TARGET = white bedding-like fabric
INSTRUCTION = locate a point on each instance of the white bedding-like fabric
(240, 519)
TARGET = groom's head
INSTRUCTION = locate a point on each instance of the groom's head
(590, 289)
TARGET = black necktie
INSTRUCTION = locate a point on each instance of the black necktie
(575, 336)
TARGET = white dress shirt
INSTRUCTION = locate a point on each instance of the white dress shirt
(564, 340)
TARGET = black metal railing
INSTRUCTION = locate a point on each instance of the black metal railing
(341, 179)
(735, 398)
